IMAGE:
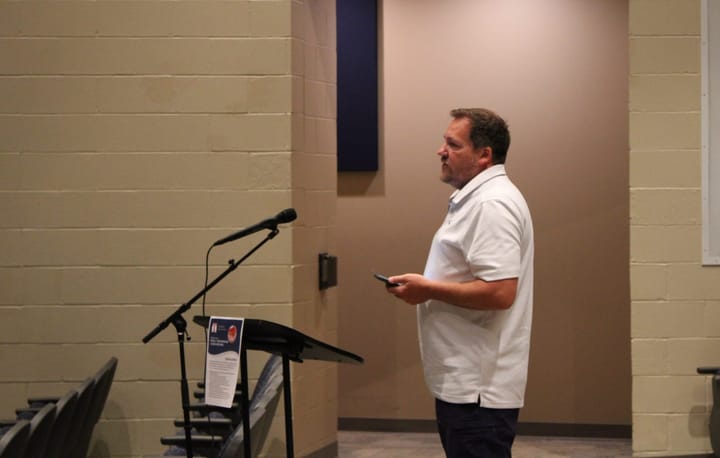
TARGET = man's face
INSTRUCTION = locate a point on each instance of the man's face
(460, 161)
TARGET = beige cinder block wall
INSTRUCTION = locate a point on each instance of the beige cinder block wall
(133, 135)
(314, 183)
(675, 300)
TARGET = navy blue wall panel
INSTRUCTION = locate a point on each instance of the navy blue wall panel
(357, 85)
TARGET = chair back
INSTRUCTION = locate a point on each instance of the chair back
(263, 405)
(41, 427)
(14, 441)
(103, 380)
(271, 370)
(85, 393)
(65, 408)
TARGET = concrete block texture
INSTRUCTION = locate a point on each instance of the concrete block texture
(133, 134)
(664, 131)
(668, 319)
(141, 285)
(664, 17)
(649, 356)
(146, 94)
(650, 434)
(673, 93)
(161, 133)
(132, 209)
(665, 206)
(688, 433)
(669, 394)
(664, 54)
(648, 281)
(134, 18)
(674, 312)
(657, 244)
(148, 247)
(665, 168)
(145, 56)
(132, 171)
(691, 281)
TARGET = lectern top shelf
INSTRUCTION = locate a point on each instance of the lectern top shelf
(280, 339)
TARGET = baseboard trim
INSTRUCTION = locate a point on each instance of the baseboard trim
(703, 455)
(524, 429)
(387, 425)
(575, 430)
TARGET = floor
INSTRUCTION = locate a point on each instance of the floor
(361, 444)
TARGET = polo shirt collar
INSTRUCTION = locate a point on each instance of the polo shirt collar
(477, 181)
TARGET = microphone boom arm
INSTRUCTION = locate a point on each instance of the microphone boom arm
(186, 306)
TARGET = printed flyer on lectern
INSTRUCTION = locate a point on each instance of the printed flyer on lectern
(223, 360)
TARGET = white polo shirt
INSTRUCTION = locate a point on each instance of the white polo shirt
(470, 355)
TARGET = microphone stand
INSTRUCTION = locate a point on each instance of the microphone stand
(177, 320)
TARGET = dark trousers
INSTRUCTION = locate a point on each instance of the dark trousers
(471, 431)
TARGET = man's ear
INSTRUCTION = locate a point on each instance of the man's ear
(485, 156)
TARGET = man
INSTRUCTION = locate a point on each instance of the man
(475, 297)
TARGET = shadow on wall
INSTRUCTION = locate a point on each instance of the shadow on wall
(100, 445)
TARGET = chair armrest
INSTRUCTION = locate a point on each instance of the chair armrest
(708, 370)
(26, 413)
(201, 442)
(41, 401)
(209, 425)
(200, 439)
(202, 385)
(203, 409)
(200, 394)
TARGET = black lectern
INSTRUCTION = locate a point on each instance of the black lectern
(292, 345)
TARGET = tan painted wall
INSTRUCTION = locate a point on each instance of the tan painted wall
(675, 307)
(133, 135)
(557, 70)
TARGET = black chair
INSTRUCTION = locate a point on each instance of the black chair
(73, 423)
(220, 421)
(63, 419)
(14, 442)
(90, 405)
(263, 405)
(715, 412)
(41, 427)
(103, 381)
(39, 417)
(260, 421)
(85, 394)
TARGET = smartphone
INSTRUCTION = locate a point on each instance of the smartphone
(387, 282)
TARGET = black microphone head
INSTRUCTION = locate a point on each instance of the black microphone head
(286, 216)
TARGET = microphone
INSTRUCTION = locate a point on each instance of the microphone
(284, 216)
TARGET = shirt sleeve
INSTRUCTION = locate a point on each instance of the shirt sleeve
(493, 243)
